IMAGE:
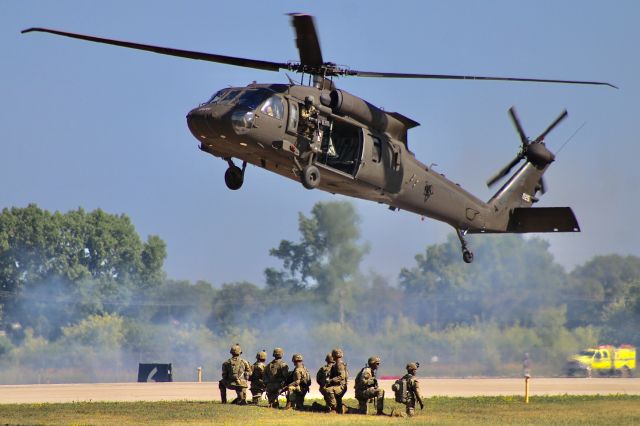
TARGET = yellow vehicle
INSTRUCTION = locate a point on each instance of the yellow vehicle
(603, 360)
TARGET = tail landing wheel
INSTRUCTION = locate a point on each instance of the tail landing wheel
(467, 255)
(234, 176)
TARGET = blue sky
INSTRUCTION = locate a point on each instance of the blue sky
(87, 125)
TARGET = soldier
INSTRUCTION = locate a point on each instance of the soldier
(235, 372)
(407, 389)
(322, 376)
(298, 385)
(257, 377)
(275, 376)
(367, 387)
(337, 383)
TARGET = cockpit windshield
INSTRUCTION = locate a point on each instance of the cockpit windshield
(248, 98)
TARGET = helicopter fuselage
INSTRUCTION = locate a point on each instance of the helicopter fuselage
(277, 126)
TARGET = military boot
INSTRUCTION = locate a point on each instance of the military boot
(380, 406)
(223, 393)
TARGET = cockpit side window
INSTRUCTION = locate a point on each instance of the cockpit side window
(273, 107)
(224, 96)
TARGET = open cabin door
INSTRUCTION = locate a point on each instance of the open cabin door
(342, 149)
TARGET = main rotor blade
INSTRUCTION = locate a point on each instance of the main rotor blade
(468, 77)
(210, 57)
(561, 117)
(505, 171)
(518, 126)
(307, 39)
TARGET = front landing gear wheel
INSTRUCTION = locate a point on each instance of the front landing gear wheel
(310, 176)
(467, 256)
(234, 178)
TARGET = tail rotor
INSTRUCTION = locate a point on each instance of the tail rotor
(533, 151)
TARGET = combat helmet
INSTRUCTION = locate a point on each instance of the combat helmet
(374, 360)
(337, 353)
(412, 366)
(262, 355)
(235, 349)
(329, 359)
(278, 353)
(297, 357)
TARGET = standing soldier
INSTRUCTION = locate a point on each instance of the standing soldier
(235, 372)
(337, 384)
(407, 389)
(367, 387)
(257, 377)
(299, 384)
(275, 376)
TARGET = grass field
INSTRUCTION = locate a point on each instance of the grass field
(615, 409)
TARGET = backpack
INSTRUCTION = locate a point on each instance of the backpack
(234, 370)
(238, 370)
(401, 389)
(358, 384)
(322, 375)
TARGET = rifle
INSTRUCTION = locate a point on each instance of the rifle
(284, 391)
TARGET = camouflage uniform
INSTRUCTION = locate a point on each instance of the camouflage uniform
(235, 372)
(413, 388)
(322, 376)
(337, 383)
(257, 377)
(275, 376)
(367, 387)
(298, 384)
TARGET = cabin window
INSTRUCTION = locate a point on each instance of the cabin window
(376, 149)
(292, 123)
(273, 107)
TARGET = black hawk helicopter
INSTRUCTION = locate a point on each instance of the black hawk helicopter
(337, 142)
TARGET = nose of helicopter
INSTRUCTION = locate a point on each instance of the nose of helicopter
(199, 121)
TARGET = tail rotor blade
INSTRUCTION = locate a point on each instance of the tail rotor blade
(516, 123)
(557, 121)
(505, 171)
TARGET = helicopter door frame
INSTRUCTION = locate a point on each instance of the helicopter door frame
(373, 160)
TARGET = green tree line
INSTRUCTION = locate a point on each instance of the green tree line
(84, 298)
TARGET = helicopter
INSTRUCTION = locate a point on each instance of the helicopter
(326, 138)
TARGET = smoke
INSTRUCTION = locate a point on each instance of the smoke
(455, 319)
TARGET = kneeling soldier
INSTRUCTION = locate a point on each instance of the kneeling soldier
(407, 389)
(257, 378)
(367, 387)
(235, 372)
(275, 375)
(337, 383)
(299, 384)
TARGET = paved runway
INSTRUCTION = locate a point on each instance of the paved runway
(209, 390)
